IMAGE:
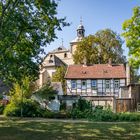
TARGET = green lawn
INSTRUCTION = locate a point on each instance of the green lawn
(43, 129)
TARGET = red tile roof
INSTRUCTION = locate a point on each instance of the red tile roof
(97, 71)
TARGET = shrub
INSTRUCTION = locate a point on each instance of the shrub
(83, 105)
(46, 92)
(1, 96)
(99, 107)
(1, 108)
(30, 108)
(63, 106)
(81, 109)
(129, 116)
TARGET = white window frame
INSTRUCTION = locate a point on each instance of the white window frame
(94, 84)
(116, 84)
(107, 84)
(73, 84)
(84, 86)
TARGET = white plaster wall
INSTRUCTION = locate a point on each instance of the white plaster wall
(90, 91)
(51, 71)
(122, 82)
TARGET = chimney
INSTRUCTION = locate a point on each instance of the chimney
(128, 80)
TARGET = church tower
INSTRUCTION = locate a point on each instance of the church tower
(80, 36)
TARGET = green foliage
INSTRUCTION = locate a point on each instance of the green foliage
(1, 96)
(129, 116)
(22, 90)
(83, 110)
(83, 105)
(1, 108)
(46, 92)
(103, 115)
(131, 34)
(63, 106)
(99, 48)
(59, 76)
(25, 28)
(30, 109)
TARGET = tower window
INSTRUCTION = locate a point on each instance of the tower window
(50, 61)
(51, 56)
(59, 49)
(65, 55)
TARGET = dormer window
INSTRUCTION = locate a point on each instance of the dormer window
(65, 55)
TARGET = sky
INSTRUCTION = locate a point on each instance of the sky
(96, 15)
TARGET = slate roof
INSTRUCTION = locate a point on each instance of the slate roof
(97, 71)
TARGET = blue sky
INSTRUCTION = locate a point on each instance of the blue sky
(96, 15)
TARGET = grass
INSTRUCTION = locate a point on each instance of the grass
(44, 129)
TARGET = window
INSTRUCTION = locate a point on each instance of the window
(65, 55)
(59, 49)
(50, 61)
(84, 84)
(94, 84)
(107, 84)
(116, 84)
(73, 84)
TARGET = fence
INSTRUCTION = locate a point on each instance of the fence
(125, 105)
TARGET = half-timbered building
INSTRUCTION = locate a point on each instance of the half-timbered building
(98, 79)
(99, 83)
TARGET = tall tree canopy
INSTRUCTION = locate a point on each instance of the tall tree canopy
(99, 48)
(26, 26)
(131, 34)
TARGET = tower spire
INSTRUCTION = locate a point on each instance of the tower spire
(81, 20)
(80, 30)
(62, 41)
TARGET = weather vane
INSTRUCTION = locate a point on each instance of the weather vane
(81, 20)
(62, 41)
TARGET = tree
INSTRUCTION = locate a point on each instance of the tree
(131, 34)
(99, 48)
(25, 28)
(20, 92)
(46, 92)
(59, 76)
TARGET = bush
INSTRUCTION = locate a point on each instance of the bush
(82, 109)
(1, 108)
(129, 116)
(63, 106)
(30, 108)
(83, 105)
